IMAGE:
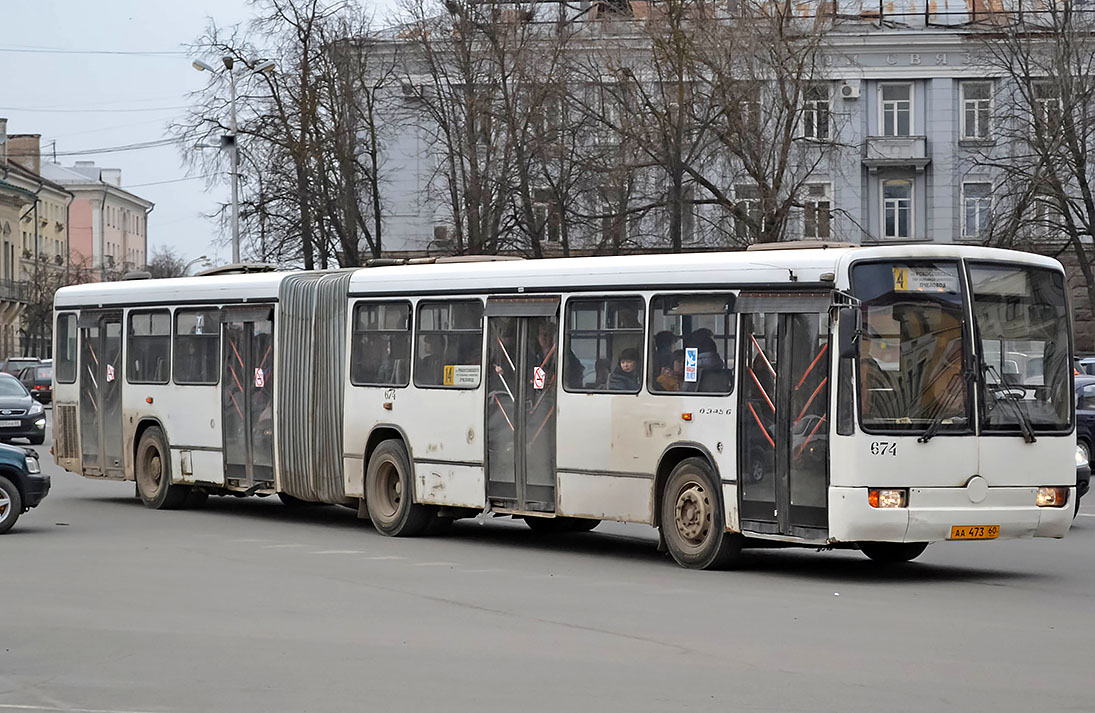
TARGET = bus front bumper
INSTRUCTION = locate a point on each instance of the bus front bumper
(932, 512)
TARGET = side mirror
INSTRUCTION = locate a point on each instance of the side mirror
(847, 332)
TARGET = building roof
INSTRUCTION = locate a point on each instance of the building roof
(87, 177)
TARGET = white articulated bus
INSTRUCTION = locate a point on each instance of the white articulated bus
(873, 397)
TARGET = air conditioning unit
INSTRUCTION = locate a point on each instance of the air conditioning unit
(850, 88)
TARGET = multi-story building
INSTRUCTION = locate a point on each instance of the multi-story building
(34, 226)
(108, 225)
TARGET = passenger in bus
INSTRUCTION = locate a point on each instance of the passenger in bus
(544, 356)
(663, 350)
(672, 377)
(431, 365)
(625, 377)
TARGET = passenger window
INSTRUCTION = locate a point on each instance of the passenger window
(149, 347)
(449, 349)
(381, 351)
(692, 344)
(604, 344)
(65, 349)
(197, 346)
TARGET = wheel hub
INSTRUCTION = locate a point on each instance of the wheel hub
(5, 505)
(693, 513)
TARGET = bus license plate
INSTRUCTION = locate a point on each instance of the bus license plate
(8, 424)
(974, 532)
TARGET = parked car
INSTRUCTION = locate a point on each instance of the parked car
(38, 380)
(22, 484)
(20, 415)
(13, 365)
(1085, 433)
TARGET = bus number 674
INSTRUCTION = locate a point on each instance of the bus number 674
(883, 448)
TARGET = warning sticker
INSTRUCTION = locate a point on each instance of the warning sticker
(110, 372)
(691, 359)
(924, 278)
(538, 375)
(260, 379)
(462, 375)
(199, 323)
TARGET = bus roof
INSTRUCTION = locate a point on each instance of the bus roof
(769, 268)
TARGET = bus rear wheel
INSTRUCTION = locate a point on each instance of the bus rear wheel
(154, 473)
(893, 552)
(691, 519)
(389, 493)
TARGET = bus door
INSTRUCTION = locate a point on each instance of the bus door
(522, 379)
(783, 421)
(247, 397)
(101, 393)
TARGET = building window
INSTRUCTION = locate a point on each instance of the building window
(815, 113)
(1047, 104)
(547, 215)
(197, 346)
(976, 109)
(692, 344)
(896, 109)
(605, 337)
(149, 347)
(749, 221)
(449, 349)
(817, 212)
(381, 351)
(897, 208)
(976, 209)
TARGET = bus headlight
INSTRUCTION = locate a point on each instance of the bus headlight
(1081, 457)
(1051, 497)
(892, 498)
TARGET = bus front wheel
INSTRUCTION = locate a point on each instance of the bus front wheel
(893, 552)
(691, 520)
(154, 473)
(389, 493)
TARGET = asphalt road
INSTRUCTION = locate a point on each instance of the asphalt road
(247, 606)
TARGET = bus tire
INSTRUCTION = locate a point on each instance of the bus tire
(389, 493)
(11, 504)
(893, 552)
(692, 520)
(558, 525)
(154, 473)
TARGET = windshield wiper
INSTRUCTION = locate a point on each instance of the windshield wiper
(1024, 420)
(941, 416)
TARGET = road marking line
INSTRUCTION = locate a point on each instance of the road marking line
(339, 552)
(386, 557)
(435, 564)
(17, 707)
(1087, 514)
(280, 547)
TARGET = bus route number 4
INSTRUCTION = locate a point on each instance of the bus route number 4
(883, 448)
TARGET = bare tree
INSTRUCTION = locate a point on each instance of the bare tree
(166, 262)
(1044, 126)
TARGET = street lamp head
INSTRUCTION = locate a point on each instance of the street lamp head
(228, 62)
(267, 66)
(201, 66)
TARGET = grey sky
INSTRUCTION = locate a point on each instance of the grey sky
(88, 101)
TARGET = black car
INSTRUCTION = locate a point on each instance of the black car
(1085, 432)
(38, 380)
(22, 484)
(14, 365)
(20, 415)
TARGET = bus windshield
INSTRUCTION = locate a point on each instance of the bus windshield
(911, 350)
(1022, 323)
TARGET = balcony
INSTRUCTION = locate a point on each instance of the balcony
(14, 290)
(896, 152)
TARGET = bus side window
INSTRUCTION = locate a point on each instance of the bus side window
(66, 348)
(197, 346)
(149, 347)
(604, 344)
(692, 344)
(449, 345)
(381, 350)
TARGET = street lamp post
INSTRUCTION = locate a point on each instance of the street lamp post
(229, 141)
(200, 258)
